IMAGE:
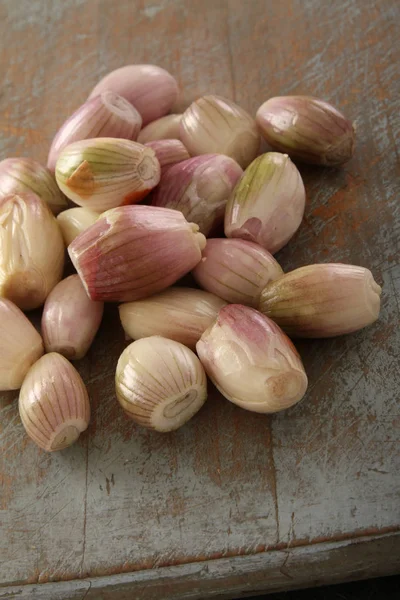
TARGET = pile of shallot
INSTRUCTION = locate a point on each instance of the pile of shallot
(212, 205)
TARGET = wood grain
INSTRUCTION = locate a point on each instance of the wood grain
(231, 577)
(231, 488)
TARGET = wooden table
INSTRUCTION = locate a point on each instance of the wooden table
(234, 503)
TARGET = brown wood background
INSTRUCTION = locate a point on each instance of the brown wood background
(309, 482)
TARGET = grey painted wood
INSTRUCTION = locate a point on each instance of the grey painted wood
(233, 577)
(230, 483)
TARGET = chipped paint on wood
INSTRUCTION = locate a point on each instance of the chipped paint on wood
(232, 577)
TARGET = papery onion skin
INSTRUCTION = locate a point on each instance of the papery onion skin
(133, 252)
(104, 173)
(178, 313)
(53, 403)
(25, 175)
(199, 187)
(267, 204)
(160, 383)
(31, 250)
(20, 345)
(308, 129)
(105, 115)
(151, 89)
(70, 319)
(75, 220)
(251, 361)
(236, 270)
(215, 125)
(322, 300)
(165, 128)
(168, 152)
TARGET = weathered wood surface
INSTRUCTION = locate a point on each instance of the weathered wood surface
(230, 577)
(230, 483)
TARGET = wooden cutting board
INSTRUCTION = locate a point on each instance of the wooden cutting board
(234, 502)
